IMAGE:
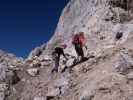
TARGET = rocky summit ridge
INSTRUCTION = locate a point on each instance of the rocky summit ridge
(106, 75)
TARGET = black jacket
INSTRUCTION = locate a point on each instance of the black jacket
(59, 51)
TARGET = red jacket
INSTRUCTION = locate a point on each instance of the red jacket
(79, 39)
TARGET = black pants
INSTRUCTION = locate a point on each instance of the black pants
(79, 50)
(56, 65)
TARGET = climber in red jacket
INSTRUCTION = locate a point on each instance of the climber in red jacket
(79, 41)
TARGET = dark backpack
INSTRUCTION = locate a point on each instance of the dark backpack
(75, 39)
(79, 39)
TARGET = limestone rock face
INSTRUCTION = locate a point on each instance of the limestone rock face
(100, 20)
(3, 89)
(106, 75)
(9, 64)
(37, 51)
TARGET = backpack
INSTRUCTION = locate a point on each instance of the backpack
(79, 39)
(75, 39)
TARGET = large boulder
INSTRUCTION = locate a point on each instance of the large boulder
(3, 70)
(124, 63)
(37, 51)
(52, 92)
(3, 91)
(130, 76)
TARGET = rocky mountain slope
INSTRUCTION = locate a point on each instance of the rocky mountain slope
(106, 75)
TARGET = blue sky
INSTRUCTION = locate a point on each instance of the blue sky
(25, 24)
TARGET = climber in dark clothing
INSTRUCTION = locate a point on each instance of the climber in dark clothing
(58, 51)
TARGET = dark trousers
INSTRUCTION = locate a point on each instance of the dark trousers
(79, 50)
(56, 64)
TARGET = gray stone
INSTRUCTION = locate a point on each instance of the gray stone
(123, 64)
(33, 71)
(70, 62)
(2, 96)
(39, 98)
(36, 52)
(61, 82)
(53, 92)
(3, 70)
(3, 89)
(87, 97)
(130, 76)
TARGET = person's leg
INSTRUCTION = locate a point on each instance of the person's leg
(81, 52)
(56, 65)
(77, 49)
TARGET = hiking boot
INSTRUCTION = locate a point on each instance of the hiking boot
(84, 59)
